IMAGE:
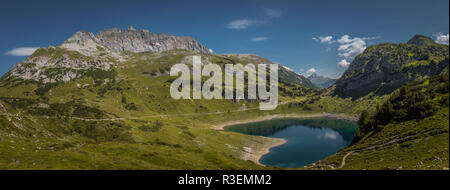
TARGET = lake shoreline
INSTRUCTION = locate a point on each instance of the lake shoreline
(266, 149)
(222, 126)
(274, 142)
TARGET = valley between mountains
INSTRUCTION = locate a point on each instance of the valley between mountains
(103, 102)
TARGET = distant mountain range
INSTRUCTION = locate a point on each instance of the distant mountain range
(321, 81)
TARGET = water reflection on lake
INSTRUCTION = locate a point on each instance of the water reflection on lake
(308, 140)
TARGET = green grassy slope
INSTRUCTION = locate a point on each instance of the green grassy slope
(126, 119)
(409, 131)
(383, 68)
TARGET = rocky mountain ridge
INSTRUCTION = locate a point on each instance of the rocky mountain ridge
(56, 64)
(132, 40)
(382, 68)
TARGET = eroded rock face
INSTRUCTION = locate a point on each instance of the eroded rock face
(383, 68)
(54, 64)
(129, 40)
(84, 42)
(143, 41)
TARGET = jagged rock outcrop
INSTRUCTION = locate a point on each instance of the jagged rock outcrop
(55, 64)
(117, 40)
(143, 41)
(381, 69)
(83, 42)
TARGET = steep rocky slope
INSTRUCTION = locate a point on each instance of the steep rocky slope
(56, 64)
(143, 41)
(381, 69)
(131, 40)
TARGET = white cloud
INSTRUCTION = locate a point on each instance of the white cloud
(310, 71)
(245, 23)
(350, 47)
(22, 51)
(211, 50)
(273, 13)
(344, 39)
(242, 24)
(324, 39)
(259, 39)
(442, 38)
(344, 63)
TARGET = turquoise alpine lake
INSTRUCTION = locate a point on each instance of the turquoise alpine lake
(307, 140)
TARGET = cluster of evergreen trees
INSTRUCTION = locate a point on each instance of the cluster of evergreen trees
(416, 100)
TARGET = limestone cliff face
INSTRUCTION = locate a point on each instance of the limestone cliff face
(383, 68)
(55, 64)
(84, 42)
(143, 41)
(117, 40)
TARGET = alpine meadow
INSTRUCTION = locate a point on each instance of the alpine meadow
(96, 94)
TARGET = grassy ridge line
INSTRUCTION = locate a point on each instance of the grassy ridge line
(220, 126)
(134, 118)
(142, 117)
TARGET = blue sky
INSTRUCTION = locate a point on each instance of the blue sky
(316, 36)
